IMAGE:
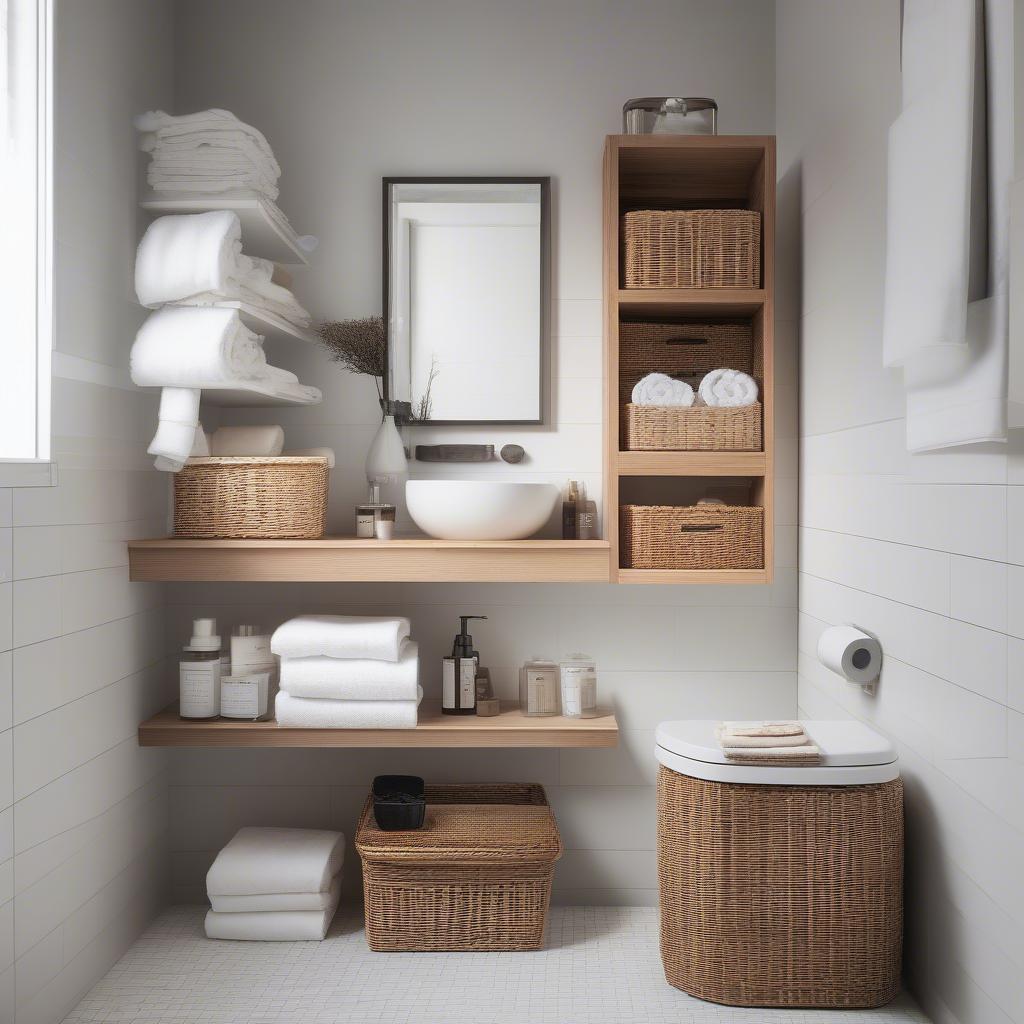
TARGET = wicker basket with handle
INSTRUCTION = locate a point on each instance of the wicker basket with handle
(691, 249)
(781, 895)
(283, 497)
(704, 536)
(477, 876)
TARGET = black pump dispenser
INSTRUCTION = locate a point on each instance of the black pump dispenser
(458, 679)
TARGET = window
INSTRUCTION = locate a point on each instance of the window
(25, 239)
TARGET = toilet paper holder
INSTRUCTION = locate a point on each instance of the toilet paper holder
(851, 653)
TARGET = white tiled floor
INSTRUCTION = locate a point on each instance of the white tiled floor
(601, 964)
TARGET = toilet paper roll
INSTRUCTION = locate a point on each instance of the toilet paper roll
(851, 653)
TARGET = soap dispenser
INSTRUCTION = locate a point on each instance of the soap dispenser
(458, 673)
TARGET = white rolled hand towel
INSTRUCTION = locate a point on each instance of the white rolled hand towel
(661, 389)
(265, 440)
(308, 713)
(177, 429)
(341, 636)
(727, 389)
(353, 678)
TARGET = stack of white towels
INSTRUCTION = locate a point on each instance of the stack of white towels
(767, 743)
(347, 672)
(275, 884)
(722, 389)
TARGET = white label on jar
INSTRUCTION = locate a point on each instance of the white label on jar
(364, 526)
(467, 682)
(448, 683)
(540, 691)
(199, 689)
(579, 690)
(244, 697)
(250, 654)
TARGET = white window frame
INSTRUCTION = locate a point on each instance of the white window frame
(35, 468)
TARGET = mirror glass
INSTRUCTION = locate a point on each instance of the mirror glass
(465, 295)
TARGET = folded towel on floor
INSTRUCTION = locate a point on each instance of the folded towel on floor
(271, 926)
(661, 389)
(258, 861)
(727, 389)
(197, 259)
(177, 428)
(353, 679)
(806, 754)
(306, 713)
(275, 902)
(341, 636)
(252, 441)
(320, 453)
(762, 728)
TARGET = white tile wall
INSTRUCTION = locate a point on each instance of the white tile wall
(921, 550)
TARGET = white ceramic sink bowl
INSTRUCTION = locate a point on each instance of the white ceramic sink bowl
(479, 509)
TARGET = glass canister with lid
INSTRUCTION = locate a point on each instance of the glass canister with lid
(578, 675)
(670, 115)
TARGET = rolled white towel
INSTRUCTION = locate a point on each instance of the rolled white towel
(177, 428)
(661, 389)
(309, 713)
(727, 389)
(353, 679)
(317, 453)
(196, 348)
(341, 636)
(252, 441)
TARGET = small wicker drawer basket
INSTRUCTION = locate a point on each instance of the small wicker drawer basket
(691, 249)
(705, 536)
(283, 498)
(477, 876)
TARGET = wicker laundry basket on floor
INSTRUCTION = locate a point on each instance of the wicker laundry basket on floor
(779, 895)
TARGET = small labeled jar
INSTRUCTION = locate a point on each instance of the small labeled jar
(579, 687)
(538, 688)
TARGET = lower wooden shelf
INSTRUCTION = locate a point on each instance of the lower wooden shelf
(340, 559)
(717, 577)
(509, 729)
(640, 463)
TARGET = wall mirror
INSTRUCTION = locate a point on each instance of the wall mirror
(465, 298)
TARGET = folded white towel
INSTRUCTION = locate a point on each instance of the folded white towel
(341, 636)
(325, 453)
(767, 728)
(728, 742)
(277, 901)
(661, 389)
(808, 753)
(255, 440)
(727, 389)
(197, 259)
(354, 678)
(258, 861)
(177, 429)
(271, 926)
(302, 713)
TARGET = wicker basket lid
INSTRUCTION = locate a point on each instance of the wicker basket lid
(470, 831)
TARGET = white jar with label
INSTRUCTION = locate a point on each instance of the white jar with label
(199, 672)
(579, 686)
(538, 688)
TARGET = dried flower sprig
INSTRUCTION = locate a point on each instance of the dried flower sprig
(358, 345)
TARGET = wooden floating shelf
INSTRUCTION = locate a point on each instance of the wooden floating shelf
(690, 301)
(509, 729)
(714, 577)
(346, 559)
(691, 463)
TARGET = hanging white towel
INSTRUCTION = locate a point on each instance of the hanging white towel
(271, 926)
(353, 678)
(275, 860)
(177, 428)
(341, 636)
(302, 713)
(277, 901)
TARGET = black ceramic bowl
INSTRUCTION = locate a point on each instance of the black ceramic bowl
(398, 802)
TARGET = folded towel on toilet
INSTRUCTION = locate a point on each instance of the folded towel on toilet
(766, 743)
(250, 441)
(661, 389)
(258, 861)
(341, 636)
(353, 679)
(271, 926)
(807, 754)
(728, 742)
(762, 728)
(727, 389)
(308, 713)
(277, 901)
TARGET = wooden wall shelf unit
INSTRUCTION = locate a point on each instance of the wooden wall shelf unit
(509, 729)
(346, 559)
(687, 172)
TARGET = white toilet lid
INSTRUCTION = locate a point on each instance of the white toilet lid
(852, 755)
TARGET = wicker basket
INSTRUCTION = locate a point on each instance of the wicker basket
(691, 249)
(267, 498)
(705, 536)
(477, 876)
(781, 895)
(687, 350)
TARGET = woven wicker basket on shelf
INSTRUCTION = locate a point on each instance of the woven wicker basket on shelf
(688, 351)
(281, 498)
(705, 536)
(477, 876)
(691, 249)
(781, 895)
